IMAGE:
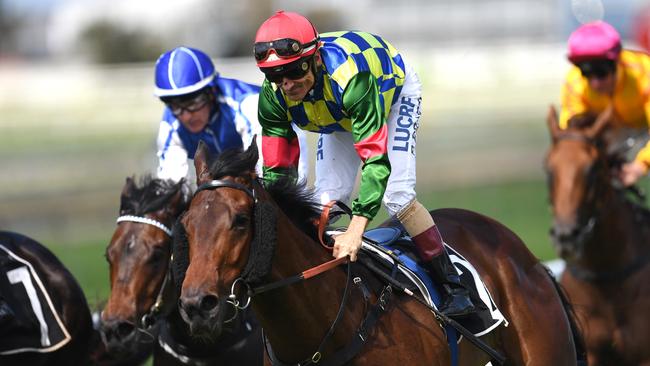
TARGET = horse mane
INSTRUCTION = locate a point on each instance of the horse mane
(582, 121)
(151, 194)
(298, 203)
(293, 198)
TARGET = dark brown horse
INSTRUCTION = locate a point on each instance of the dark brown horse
(604, 237)
(42, 302)
(237, 229)
(142, 306)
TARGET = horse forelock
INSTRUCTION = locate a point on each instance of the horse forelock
(152, 194)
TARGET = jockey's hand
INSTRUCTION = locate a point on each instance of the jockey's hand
(349, 242)
(631, 172)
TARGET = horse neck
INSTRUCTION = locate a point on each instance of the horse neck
(296, 317)
(618, 235)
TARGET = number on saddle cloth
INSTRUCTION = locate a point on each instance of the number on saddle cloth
(28, 320)
(392, 244)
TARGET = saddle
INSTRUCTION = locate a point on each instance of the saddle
(395, 253)
(28, 320)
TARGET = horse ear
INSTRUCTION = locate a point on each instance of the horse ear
(553, 123)
(129, 185)
(253, 150)
(202, 163)
(601, 121)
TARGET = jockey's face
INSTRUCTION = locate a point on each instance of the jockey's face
(194, 114)
(603, 85)
(601, 75)
(297, 89)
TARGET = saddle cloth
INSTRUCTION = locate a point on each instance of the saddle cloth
(28, 319)
(396, 252)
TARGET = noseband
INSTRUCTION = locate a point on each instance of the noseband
(148, 320)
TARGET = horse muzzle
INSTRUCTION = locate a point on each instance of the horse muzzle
(203, 313)
(119, 336)
(569, 239)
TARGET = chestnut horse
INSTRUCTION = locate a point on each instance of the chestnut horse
(604, 238)
(43, 302)
(243, 236)
(142, 305)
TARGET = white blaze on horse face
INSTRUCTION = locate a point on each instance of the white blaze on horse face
(131, 243)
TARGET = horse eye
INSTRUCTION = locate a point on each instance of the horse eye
(240, 221)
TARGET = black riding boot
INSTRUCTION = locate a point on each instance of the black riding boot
(456, 301)
(427, 239)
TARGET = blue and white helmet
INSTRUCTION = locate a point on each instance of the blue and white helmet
(182, 71)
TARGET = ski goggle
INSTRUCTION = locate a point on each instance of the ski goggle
(293, 72)
(599, 69)
(191, 106)
(284, 48)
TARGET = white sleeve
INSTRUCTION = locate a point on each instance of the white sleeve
(172, 156)
(249, 126)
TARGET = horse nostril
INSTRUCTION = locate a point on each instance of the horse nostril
(209, 302)
(124, 329)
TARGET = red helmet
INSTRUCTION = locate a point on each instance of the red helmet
(284, 38)
(596, 40)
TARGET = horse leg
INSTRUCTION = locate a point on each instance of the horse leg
(539, 332)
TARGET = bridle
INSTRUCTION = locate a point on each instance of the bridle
(252, 291)
(148, 320)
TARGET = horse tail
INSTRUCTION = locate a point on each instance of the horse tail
(578, 340)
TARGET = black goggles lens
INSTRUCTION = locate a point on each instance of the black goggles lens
(284, 48)
(191, 106)
(294, 73)
(597, 69)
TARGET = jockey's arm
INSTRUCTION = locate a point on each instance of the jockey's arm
(571, 96)
(369, 130)
(633, 171)
(172, 155)
(280, 146)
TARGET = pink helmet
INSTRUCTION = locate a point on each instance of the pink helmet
(596, 40)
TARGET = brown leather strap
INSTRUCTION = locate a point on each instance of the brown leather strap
(324, 267)
(322, 223)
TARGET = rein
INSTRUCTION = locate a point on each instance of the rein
(148, 320)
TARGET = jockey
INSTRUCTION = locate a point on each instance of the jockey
(357, 92)
(602, 74)
(203, 106)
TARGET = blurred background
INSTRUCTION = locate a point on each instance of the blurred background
(78, 115)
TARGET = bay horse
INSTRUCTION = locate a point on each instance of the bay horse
(243, 237)
(604, 238)
(43, 311)
(142, 304)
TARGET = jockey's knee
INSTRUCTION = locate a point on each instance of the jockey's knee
(397, 201)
